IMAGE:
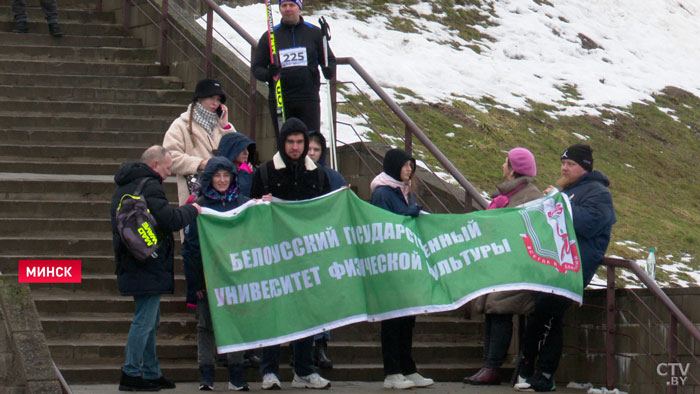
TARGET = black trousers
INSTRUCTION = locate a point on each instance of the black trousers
(308, 111)
(543, 338)
(499, 330)
(397, 345)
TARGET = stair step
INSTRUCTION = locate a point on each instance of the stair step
(40, 167)
(91, 94)
(54, 209)
(64, 14)
(78, 68)
(52, 187)
(53, 300)
(89, 81)
(187, 370)
(73, 136)
(75, 153)
(79, 53)
(43, 107)
(67, 244)
(67, 352)
(30, 226)
(106, 284)
(42, 37)
(173, 325)
(69, 27)
(85, 120)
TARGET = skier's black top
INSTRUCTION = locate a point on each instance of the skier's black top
(299, 83)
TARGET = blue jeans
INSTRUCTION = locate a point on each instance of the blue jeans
(141, 345)
(19, 9)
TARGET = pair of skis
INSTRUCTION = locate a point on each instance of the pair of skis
(274, 59)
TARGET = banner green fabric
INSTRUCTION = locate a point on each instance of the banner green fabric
(281, 271)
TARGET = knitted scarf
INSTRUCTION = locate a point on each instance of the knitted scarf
(205, 118)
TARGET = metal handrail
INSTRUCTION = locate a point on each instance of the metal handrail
(677, 316)
(414, 129)
(656, 291)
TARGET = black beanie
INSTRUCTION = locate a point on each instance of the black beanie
(394, 160)
(581, 154)
(208, 88)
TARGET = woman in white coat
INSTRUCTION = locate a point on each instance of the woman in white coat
(193, 138)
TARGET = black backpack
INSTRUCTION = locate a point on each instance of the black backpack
(136, 225)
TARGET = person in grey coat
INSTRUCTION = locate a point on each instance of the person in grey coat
(519, 169)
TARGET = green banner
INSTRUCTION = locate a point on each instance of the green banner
(281, 271)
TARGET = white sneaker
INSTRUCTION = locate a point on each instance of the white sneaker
(398, 381)
(271, 382)
(419, 380)
(313, 381)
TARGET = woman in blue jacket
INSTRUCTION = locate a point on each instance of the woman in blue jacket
(391, 190)
(219, 192)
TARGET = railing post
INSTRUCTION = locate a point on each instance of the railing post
(210, 41)
(408, 141)
(334, 105)
(672, 348)
(252, 108)
(468, 202)
(610, 330)
(127, 17)
(164, 39)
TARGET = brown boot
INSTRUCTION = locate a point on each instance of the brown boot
(485, 376)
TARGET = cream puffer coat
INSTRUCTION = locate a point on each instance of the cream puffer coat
(189, 149)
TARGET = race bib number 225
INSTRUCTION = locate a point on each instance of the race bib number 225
(293, 57)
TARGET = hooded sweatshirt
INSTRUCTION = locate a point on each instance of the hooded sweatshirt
(289, 179)
(230, 146)
(388, 191)
(210, 198)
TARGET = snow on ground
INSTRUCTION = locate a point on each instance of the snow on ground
(537, 52)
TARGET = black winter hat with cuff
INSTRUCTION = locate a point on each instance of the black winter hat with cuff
(209, 88)
(581, 154)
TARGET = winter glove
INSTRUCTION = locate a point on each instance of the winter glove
(272, 71)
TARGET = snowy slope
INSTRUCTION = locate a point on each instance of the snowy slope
(644, 46)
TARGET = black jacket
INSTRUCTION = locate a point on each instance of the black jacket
(154, 276)
(191, 251)
(230, 146)
(299, 83)
(594, 215)
(290, 180)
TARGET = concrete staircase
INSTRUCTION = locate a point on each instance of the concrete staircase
(72, 109)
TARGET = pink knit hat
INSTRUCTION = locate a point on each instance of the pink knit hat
(522, 161)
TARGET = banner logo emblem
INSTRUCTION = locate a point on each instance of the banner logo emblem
(566, 257)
